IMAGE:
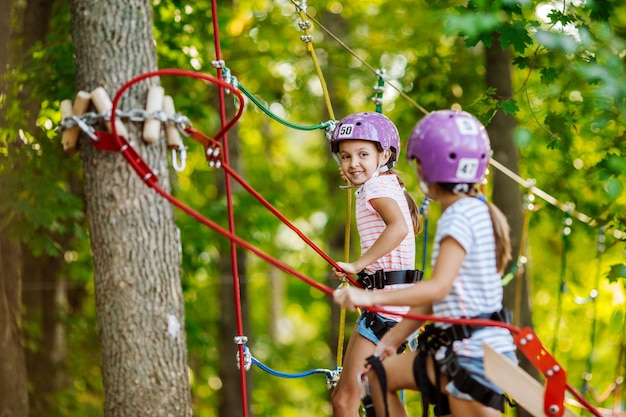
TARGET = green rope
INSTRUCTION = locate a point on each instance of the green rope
(321, 125)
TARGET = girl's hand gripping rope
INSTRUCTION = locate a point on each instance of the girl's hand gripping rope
(352, 298)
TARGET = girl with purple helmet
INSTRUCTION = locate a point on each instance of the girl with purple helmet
(367, 146)
(451, 150)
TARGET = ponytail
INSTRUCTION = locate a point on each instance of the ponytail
(416, 217)
(501, 232)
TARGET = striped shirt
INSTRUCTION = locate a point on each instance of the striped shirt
(478, 287)
(370, 226)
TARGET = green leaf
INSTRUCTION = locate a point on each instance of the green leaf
(516, 35)
(509, 106)
(617, 271)
(548, 75)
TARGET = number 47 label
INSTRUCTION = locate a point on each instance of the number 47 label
(467, 168)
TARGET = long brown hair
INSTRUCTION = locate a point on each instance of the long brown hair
(501, 232)
(416, 217)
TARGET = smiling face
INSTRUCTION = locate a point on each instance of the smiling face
(360, 159)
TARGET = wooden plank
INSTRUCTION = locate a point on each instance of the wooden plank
(513, 380)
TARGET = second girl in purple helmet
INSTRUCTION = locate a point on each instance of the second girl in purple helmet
(367, 146)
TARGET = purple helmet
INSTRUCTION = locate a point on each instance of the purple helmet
(451, 146)
(371, 126)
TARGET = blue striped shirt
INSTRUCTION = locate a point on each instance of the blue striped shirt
(478, 287)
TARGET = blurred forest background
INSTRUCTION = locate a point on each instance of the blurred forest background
(568, 101)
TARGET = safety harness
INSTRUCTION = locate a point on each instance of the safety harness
(378, 280)
(430, 340)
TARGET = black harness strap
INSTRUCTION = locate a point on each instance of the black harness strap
(379, 279)
(380, 327)
(379, 369)
(431, 394)
(429, 342)
(465, 383)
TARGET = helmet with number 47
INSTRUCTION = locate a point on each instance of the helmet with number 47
(369, 126)
(451, 146)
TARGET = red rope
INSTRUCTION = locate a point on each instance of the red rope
(206, 140)
(231, 217)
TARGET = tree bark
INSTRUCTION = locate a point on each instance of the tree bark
(135, 244)
(506, 192)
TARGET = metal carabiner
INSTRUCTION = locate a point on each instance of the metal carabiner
(179, 167)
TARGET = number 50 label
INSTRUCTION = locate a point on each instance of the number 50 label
(345, 131)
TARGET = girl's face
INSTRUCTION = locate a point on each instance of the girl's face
(360, 159)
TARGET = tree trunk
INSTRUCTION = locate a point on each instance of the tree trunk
(44, 297)
(506, 192)
(13, 386)
(135, 244)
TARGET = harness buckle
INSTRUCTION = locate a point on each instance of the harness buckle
(449, 364)
(379, 279)
(366, 280)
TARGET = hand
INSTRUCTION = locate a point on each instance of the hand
(351, 298)
(384, 350)
(343, 176)
(346, 268)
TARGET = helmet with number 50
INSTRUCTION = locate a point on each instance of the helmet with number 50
(369, 126)
(451, 147)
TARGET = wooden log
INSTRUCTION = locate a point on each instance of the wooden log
(103, 103)
(172, 134)
(154, 103)
(70, 136)
(513, 380)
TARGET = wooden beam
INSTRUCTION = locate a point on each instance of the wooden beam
(513, 380)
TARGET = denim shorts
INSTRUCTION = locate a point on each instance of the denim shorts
(475, 367)
(366, 332)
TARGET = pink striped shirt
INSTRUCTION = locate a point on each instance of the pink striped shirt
(370, 226)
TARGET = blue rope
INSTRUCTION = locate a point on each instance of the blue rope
(331, 376)
(285, 375)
